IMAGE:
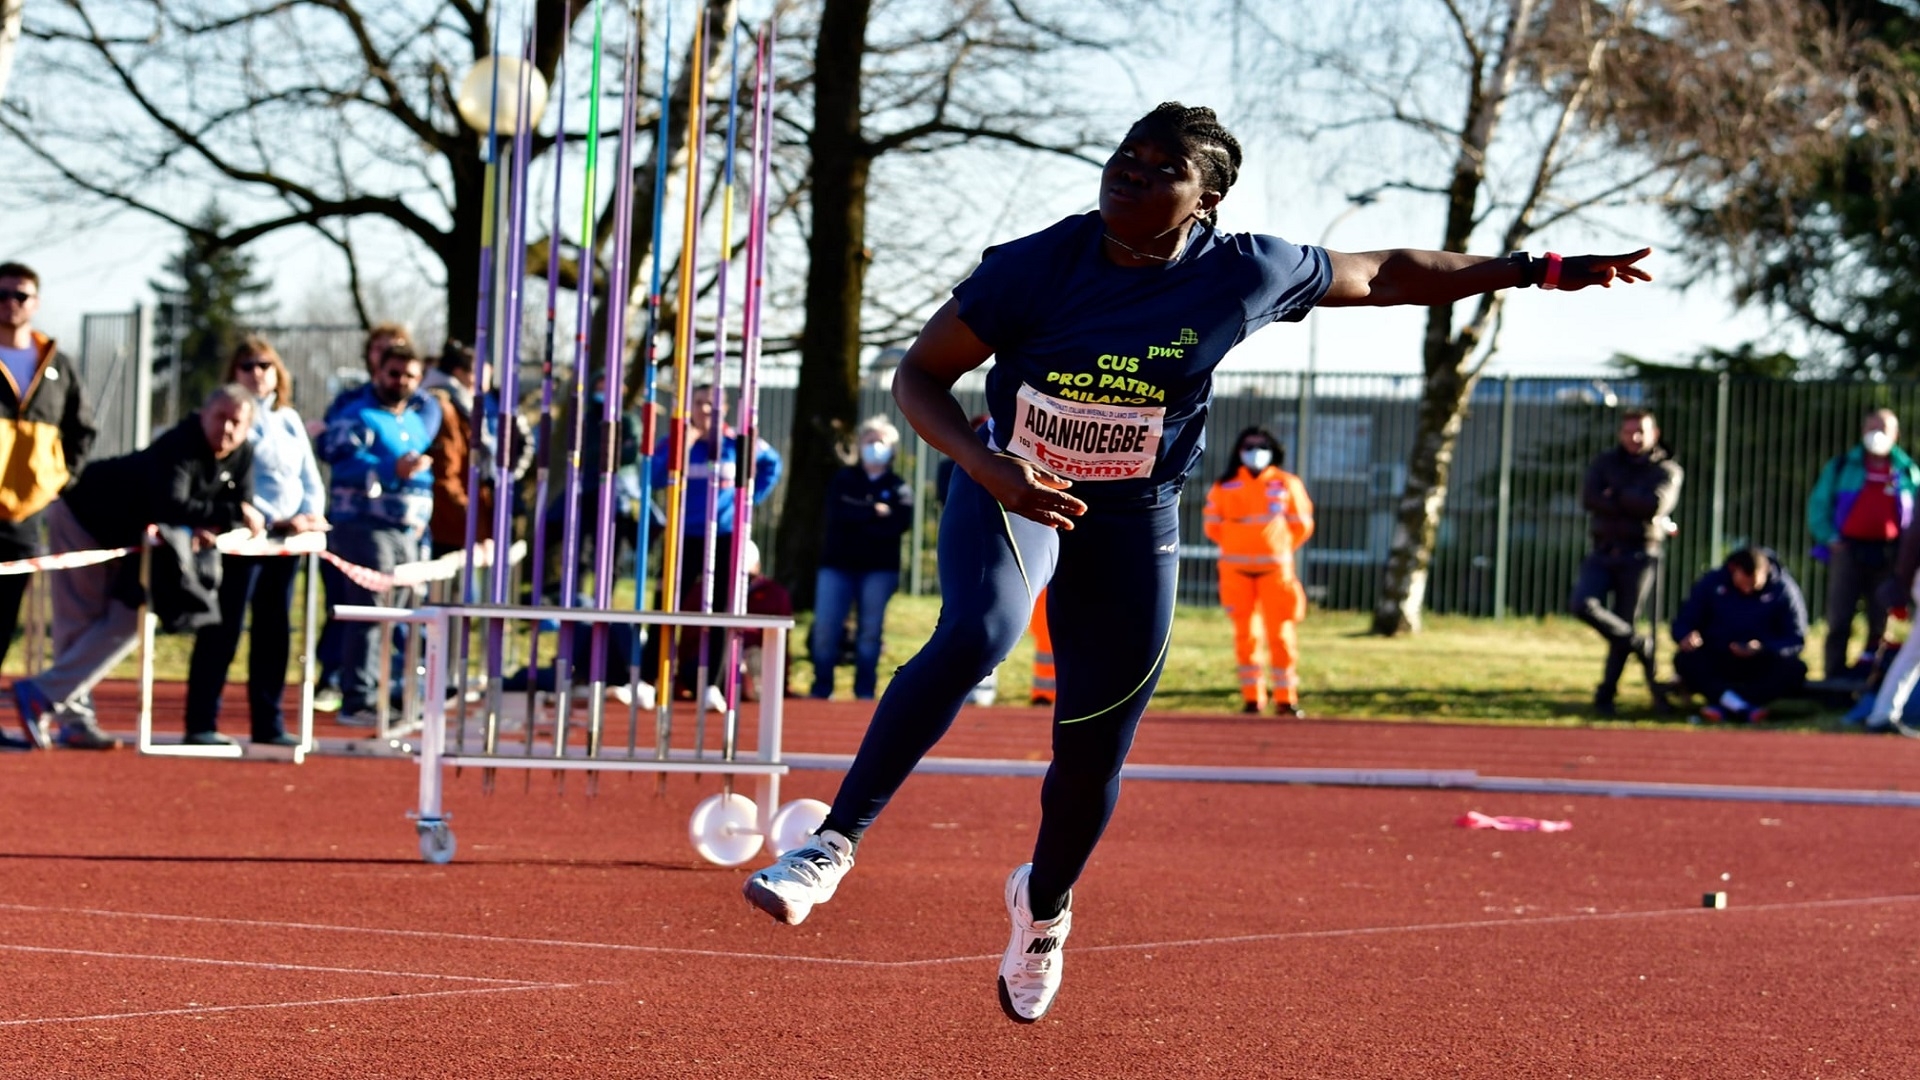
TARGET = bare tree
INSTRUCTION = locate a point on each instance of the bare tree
(900, 79)
(10, 15)
(1526, 140)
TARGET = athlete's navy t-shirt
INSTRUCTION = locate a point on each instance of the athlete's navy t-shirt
(1104, 373)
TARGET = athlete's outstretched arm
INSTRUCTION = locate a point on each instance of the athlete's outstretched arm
(1428, 278)
(923, 385)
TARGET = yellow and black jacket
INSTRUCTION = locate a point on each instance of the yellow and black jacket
(45, 434)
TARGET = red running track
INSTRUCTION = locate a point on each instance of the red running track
(177, 918)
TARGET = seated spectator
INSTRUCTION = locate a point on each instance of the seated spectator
(198, 476)
(1739, 636)
(765, 596)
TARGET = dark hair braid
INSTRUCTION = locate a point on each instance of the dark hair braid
(1202, 140)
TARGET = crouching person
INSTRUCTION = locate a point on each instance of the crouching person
(196, 475)
(1739, 637)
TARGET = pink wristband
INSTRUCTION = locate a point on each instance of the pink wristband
(1551, 279)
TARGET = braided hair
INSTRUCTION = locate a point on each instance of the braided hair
(1202, 140)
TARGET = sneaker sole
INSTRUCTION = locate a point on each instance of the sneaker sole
(1006, 1005)
(773, 903)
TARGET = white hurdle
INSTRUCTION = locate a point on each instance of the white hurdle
(727, 829)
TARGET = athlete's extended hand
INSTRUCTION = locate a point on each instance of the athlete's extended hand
(1580, 271)
(1030, 491)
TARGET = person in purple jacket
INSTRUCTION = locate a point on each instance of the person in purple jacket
(1104, 329)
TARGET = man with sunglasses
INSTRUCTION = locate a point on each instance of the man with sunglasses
(45, 434)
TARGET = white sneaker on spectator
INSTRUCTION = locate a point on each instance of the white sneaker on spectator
(802, 878)
(1030, 969)
(716, 701)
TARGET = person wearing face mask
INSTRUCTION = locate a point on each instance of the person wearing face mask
(869, 508)
(1859, 507)
(1259, 515)
(1104, 330)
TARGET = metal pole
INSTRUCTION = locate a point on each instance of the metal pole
(1302, 419)
(142, 376)
(1503, 517)
(914, 575)
(1717, 528)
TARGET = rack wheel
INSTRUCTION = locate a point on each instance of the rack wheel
(437, 843)
(794, 822)
(725, 829)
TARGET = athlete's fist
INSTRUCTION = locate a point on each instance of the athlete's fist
(1030, 491)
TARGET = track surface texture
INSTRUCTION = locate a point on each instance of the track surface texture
(191, 918)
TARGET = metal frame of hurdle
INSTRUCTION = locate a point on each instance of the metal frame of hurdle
(727, 829)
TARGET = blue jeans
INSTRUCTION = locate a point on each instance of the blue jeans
(266, 585)
(835, 592)
(380, 549)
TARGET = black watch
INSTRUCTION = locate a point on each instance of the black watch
(1532, 270)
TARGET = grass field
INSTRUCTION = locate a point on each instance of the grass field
(1522, 671)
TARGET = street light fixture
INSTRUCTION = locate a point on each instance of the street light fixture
(483, 110)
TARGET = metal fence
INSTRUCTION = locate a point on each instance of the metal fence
(1513, 531)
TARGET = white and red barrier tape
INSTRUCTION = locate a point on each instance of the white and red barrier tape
(240, 542)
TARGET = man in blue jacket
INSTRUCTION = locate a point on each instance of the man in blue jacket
(379, 500)
(1739, 637)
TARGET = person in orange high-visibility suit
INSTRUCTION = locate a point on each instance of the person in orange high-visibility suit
(1042, 653)
(1259, 515)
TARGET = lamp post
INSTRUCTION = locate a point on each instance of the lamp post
(488, 101)
(1355, 203)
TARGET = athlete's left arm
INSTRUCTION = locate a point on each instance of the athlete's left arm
(1431, 278)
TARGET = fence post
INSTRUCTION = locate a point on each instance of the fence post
(1503, 515)
(1717, 528)
(920, 452)
(1300, 421)
(142, 376)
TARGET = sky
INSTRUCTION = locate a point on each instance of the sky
(106, 266)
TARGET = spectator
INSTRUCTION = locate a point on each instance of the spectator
(1259, 515)
(1630, 491)
(765, 596)
(43, 443)
(1739, 636)
(692, 553)
(288, 494)
(1858, 509)
(1885, 709)
(379, 501)
(589, 467)
(326, 697)
(451, 384)
(196, 475)
(869, 507)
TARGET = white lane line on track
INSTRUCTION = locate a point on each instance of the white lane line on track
(201, 1009)
(264, 965)
(1185, 943)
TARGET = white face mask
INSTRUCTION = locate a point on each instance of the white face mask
(1878, 443)
(1256, 459)
(874, 453)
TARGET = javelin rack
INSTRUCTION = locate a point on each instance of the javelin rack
(727, 829)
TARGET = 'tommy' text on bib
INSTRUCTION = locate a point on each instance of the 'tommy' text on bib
(1085, 442)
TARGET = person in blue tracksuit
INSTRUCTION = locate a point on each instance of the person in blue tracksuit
(1739, 636)
(1104, 329)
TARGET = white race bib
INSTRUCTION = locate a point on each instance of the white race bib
(1085, 442)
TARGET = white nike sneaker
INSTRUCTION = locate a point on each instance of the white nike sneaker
(1030, 969)
(803, 877)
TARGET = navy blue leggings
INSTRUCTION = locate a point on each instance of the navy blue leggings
(1110, 607)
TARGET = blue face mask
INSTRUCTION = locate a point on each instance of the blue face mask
(874, 453)
(1256, 459)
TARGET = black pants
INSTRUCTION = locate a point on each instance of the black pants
(1608, 596)
(1855, 572)
(264, 585)
(1711, 672)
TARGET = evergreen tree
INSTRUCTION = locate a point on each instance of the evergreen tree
(212, 297)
